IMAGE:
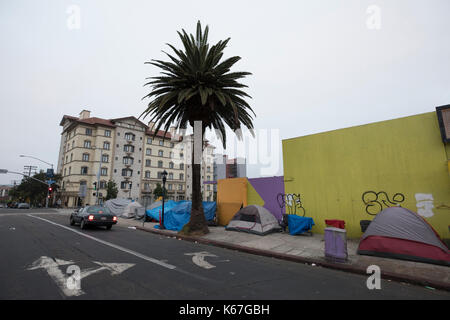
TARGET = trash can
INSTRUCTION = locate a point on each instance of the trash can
(336, 245)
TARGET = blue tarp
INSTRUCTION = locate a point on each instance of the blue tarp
(299, 225)
(178, 213)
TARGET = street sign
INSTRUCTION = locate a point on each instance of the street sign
(50, 181)
(50, 173)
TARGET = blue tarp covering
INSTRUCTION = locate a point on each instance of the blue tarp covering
(178, 213)
(299, 225)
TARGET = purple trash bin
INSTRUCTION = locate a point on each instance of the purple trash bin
(336, 244)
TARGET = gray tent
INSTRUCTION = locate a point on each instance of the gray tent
(254, 219)
(141, 211)
(117, 206)
(400, 233)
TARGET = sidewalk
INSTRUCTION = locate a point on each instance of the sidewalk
(310, 250)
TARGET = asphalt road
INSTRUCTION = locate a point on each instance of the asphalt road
(38, 249)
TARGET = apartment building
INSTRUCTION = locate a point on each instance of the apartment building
(126, 151)
(86, 146)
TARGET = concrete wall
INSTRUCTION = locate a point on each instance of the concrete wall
(352, 174)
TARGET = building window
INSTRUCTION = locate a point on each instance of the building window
(147, 186)
(65, 169)
(70, 169)
(88, 132)
(124, 185)
(107, 133)
(181, 155)
(87, 144)
(85, 156)
(104, 171)
(105, 158)
(147, 174)
(208, 187)
(128, 148)
(149, 140)
(160, 164)
(84, 170)
(106, 145)
(161, 142)
(181, 166)
(180, 187)
(160, 153)
(71, 156)
(129, 136)
(169, 186)
(160, 175)
(208, 169)
(128, 160)
(148, 151)
(172, 145)
(148, 162)
(102, 185)
(181, 176)
(170, 165)
(127, 172)
(171, 176)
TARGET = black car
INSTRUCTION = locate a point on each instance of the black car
(93, 216)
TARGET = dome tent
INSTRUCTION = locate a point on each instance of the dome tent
(399, 233)
(254, 219)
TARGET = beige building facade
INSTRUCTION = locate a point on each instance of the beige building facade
(128, 152)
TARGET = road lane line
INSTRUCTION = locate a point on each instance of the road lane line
(134, 253)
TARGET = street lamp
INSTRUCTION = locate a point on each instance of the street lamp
(24, 156)
(130, 189)
(164, 175)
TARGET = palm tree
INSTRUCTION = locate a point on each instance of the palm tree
(196, 85)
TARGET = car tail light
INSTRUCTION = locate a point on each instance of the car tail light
(114, 218)
(91, 217)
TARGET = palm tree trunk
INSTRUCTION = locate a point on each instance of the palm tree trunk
(197, 224)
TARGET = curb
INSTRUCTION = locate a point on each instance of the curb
(342, 267)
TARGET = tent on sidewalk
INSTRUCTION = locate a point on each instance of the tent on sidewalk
(254, 219)
(117, 206)
(399, 233)
(132, 209)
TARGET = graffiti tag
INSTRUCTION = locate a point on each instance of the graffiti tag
(292, 203)
(376, 201)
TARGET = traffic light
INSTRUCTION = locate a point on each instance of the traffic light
(95, 185)
(50, 189)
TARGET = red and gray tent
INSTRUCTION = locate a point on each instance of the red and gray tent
(399, 233)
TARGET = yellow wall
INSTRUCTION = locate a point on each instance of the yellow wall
(231, 195)
(332, 170)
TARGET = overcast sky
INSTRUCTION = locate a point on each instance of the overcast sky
(317, 65)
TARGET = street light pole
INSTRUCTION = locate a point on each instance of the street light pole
(164, 174)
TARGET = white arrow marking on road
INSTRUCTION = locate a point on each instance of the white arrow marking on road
(199, 259)
(52, 268)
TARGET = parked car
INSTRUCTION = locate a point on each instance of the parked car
(93, 216)
(23, 205)
(13, 205)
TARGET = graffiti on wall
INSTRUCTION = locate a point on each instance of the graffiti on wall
(424, 204)
(291, 202)
(377, 201)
